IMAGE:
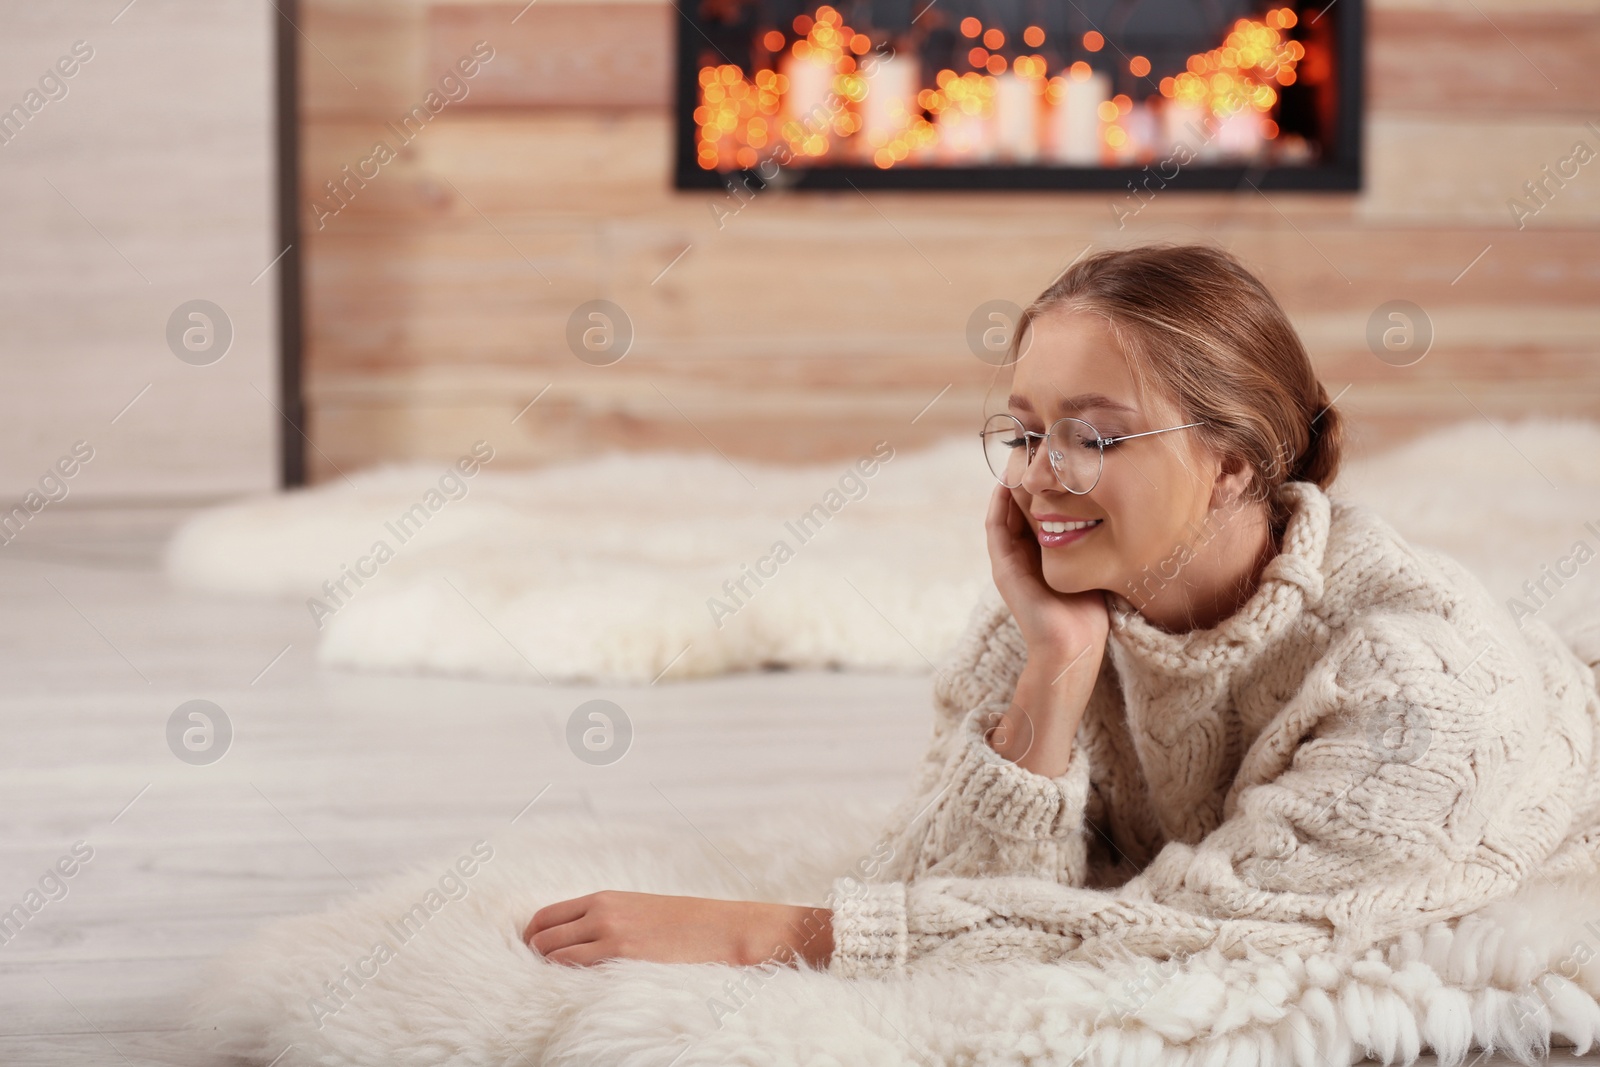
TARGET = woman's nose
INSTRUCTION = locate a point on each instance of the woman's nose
(1039, 475)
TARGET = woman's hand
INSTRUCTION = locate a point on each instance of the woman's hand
(613, 924)
(1065, 634)
(1052, 623)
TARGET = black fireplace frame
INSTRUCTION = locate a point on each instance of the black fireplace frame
(1340, 173)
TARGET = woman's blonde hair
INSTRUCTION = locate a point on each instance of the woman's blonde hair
(1193, 321)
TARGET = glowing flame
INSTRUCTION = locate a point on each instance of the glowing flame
(1239, 74)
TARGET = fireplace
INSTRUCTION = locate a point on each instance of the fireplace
(1019, 94)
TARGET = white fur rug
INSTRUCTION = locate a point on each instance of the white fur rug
(537, 575)
(602, 571)
(458, 987)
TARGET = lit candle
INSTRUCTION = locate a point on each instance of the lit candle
(810, 86)
(1186, 124)
(964, 138)
(891, 98)
(1144, 134)
(1017, 118)
(1075, 120)
(1239, 136)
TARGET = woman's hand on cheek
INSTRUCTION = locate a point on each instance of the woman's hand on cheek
(1048, 619)
(615, 924)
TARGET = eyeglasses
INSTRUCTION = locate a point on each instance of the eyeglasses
(1077, 451)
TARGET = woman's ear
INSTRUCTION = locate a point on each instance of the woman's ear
(1232, 482)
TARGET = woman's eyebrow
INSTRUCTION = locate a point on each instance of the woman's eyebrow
(1081, 402)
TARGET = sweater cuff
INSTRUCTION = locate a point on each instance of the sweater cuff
(869, 929)
(1011, 800)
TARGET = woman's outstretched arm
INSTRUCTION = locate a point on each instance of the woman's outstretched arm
(981, 814)
(614, 924)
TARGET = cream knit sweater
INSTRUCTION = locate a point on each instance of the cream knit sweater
(1368, 745)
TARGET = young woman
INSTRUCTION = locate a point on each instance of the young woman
(1206, 705)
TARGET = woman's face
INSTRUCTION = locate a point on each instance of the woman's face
(1153, 493)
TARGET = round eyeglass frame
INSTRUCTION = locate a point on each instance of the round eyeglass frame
(1001, 422)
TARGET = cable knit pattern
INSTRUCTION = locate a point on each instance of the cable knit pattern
(1367, 745)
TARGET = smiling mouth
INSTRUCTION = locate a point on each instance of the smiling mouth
(1053, 526)
(1059, 534)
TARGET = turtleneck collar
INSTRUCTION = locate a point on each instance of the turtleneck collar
(1290, 580)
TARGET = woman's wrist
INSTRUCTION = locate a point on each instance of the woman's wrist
(782, 932)
(1037, 730)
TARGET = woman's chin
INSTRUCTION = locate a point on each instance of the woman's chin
(1066, 579)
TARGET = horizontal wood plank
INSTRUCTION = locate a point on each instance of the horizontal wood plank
(1465, 61)
(600, 56)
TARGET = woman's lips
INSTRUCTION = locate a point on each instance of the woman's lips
(1057, 540)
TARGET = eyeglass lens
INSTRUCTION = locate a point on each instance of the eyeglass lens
(1072, 446)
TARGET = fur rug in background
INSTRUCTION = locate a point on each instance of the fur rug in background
(616, 569)
(625, 570)
(453, 984)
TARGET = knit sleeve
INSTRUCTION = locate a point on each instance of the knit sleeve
(1399, 784)
(972, 813)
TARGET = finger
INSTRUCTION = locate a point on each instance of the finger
(585, 955)
(564, 936)
(1015, 520)
(563, 911)
(994, 519)
(1001, 541)
(1003, 516)
(997, 505)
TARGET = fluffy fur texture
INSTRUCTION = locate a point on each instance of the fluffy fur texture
(464, 990)
(581, 594)
(538, 574)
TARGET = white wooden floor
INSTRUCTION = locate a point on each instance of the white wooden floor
(332, 779)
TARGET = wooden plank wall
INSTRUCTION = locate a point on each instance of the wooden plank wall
(808, 325)
(146, 180)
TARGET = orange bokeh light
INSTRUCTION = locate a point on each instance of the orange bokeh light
(1034, 36)
(1139, 65)
(1030, 66)
(993, 38)
(1093, 41)
(971, 27)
